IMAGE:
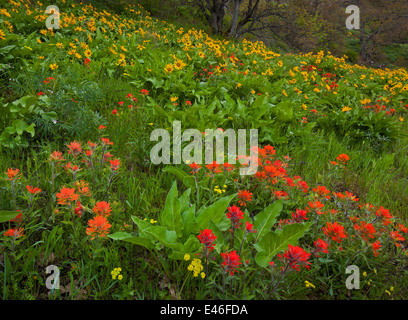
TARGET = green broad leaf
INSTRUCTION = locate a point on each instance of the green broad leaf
(215, 212)
(284, 111)
(157, 83)
(157, 233)
(8, 215)
(171, 215)
(241, 108)
(184, 177)
(6, 49)
(189, 221)
(30, 129)
(220, 240)
(191, 246)
(119, 235)
(20, 126)
(124, 236)
(25, 101)
(185, 200)
(140, 241)
(264, 220)
(274, 242)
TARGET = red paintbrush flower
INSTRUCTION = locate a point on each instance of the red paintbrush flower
(231, 262)
(207, 238)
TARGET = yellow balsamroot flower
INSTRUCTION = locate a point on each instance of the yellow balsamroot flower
(179, 64)
(173, 99)
(345, 109)
(169, 68)
(284, 93)
(365, 101)
(53, 66)
(2, 35)
(59, 45)
(87, 53)
(280, 63)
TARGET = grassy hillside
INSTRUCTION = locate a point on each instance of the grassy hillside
(79, 105)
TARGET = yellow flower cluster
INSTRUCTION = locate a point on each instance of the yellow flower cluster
(115, 273)
(218, 190)
(196, 267)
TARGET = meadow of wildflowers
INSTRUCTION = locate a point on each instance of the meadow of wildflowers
(78, 189)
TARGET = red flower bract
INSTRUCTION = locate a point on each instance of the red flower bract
(320, 246)
(15, 233)
(207, 238)
(195, 167)
(235, 214)
(231, 262)
(244, 196)
(74, 148)
(296, 257)
(249, 227)
(335, 231)
(299, 216)
(33, 190)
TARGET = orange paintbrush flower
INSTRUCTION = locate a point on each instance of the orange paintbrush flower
(75, 148)
(335, 231)
(33, 190)
(102, 208)
(15, 233)
(98, 227)
(66, 196)
(244, 196)
(13, 174)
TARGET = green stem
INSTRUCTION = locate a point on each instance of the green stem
(182, 286)
(242, 243)
(198, 191)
